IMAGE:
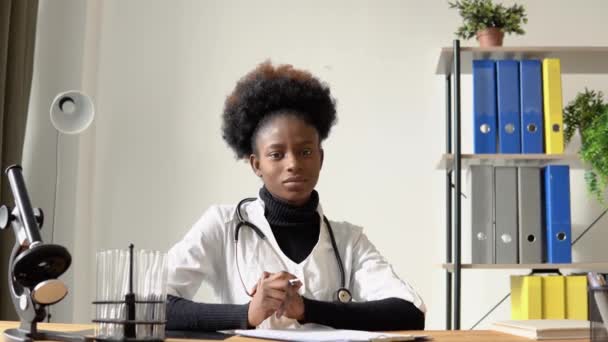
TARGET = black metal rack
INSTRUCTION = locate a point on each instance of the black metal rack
(455, 179)
(130, 323)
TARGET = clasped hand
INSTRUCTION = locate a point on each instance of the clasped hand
(273, 294)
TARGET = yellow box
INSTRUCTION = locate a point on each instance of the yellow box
(526, 297)
(576, 297)
(554, 297)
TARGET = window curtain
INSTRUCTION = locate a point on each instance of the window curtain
(17, 37)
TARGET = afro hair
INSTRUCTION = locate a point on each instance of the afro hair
(267, 91)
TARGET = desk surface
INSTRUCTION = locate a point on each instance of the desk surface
(438, 336)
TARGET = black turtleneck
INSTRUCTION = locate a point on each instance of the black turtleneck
(296, 230)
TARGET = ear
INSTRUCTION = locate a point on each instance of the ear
(322, 157)
(254, 162)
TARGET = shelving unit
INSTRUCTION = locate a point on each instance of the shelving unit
(453, 62)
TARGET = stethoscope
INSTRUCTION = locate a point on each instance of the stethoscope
(342, 294)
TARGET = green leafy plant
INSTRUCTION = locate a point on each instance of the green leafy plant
(481, 14)
(588, 114)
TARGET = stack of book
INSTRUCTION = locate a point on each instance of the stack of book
(545, 329)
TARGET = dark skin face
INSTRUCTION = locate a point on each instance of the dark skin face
(288, 157)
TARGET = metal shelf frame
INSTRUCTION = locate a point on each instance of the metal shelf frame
(453, 176)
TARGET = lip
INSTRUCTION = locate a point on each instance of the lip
(296, 179)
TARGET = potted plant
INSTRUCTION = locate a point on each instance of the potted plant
(488, 21)
(588, 114)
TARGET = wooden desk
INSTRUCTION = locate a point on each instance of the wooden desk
(438, 336)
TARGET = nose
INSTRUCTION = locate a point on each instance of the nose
(293, 162)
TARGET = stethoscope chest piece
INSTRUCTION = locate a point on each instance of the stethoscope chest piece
(344, 295)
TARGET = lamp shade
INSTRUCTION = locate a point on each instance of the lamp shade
(72, 112)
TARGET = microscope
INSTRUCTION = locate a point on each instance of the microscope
(33, 267)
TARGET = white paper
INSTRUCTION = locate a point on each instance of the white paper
(322, 335)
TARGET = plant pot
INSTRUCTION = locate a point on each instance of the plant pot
(489, 37)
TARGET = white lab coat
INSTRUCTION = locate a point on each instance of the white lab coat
(207, 253)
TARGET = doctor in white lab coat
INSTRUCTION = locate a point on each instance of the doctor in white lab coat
(277, 118)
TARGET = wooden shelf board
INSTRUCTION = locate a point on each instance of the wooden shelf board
(576, 265)
(447, 160)
(574, 59)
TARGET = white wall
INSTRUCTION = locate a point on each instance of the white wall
(160, 70)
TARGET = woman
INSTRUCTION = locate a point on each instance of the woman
(289, 265)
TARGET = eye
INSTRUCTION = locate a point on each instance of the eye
(307, 152)
(275, 155)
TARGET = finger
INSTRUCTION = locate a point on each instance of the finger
(271, 305)
(293, 290)
(277, 284)
(259, 284)
(283, 275)
(275, 294)
(280, 311)
(256, 287)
